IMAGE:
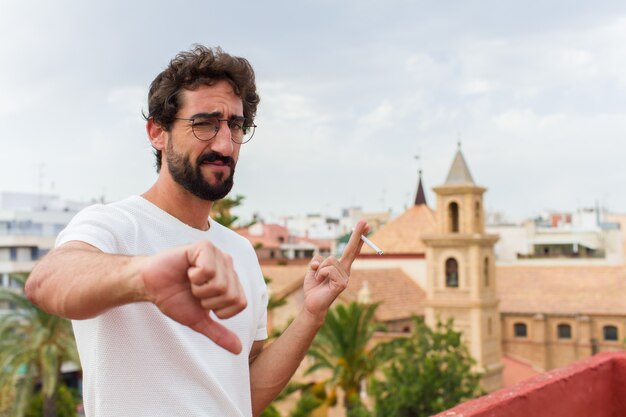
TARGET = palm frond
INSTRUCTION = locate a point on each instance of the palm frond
(33, 345)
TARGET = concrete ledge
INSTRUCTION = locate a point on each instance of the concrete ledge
(592, 387)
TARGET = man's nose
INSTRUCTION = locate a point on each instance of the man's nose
(222, 142)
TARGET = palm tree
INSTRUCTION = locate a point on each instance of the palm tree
(33, 346)
(221, 210)
(341, 346)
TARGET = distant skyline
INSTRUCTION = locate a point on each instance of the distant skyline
(350, 93)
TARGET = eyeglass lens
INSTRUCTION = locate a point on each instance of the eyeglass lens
(205, 128)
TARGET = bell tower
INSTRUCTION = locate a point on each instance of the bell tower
(460, 262)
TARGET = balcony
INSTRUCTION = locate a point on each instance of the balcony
(592, 387)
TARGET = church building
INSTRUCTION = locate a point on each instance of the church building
(517, 318)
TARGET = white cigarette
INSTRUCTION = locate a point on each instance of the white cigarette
(371, 244)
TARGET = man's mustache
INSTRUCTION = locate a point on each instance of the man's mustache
(214, 156)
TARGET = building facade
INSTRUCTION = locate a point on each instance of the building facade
(29, 224)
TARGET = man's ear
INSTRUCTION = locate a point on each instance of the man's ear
(156, 134)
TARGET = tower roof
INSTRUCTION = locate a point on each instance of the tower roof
(403, 235)
(420, 197)
(459, 172)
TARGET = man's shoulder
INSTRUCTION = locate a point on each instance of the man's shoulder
(227, 233)
(119, 211)
(126, 204)
(105, 226)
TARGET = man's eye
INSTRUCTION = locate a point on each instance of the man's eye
(237, 125)
(205, 123)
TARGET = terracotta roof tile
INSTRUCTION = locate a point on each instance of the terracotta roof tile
(562, 289)
(402, 235)
(399, 295)
(516, 371)
(271, 237)
(326, 244)
(284, 278)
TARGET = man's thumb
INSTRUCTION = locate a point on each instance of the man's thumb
(219, 334)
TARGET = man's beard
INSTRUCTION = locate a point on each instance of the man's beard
(192, 180)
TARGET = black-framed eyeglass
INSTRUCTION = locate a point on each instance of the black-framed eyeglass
(205, 127)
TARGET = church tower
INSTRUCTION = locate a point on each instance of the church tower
(460, 262)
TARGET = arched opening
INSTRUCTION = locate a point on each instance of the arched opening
(564, 331)
(486, 271)
(610, 333)
(520, 330)
(453, 211)
(452, 273)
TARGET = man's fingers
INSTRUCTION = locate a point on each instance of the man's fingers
(204, 264)
(227, 304)
(315, 263)
(353, 248)
(217, 287)
(228, 311)
(219, 334)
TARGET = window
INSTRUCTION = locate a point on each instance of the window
(486, 271)
(610, 333)
(36, 253)
(520, 330)
(453, 210)
(564, 331)
(452, 273)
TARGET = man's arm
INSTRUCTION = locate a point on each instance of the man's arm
(272, 368)
(78, 281)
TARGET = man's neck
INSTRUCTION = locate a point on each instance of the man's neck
(180, 203)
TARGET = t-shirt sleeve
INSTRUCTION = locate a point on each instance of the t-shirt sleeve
(261, 312)
(100, 226)
(261, 331)
(262, 294)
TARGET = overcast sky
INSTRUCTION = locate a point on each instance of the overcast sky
(350, 92)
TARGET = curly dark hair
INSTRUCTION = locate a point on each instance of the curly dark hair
(192, 69)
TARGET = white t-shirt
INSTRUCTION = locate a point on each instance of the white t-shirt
(137, 361)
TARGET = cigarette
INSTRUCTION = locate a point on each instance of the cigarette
(371, 244)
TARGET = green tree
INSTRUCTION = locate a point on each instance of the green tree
(221, 210)
(428, 372)
(65, 404)
(33, 346)
(311, 397)
(273, 302)
(342, 347)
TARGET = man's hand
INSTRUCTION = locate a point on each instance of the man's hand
(186, 283)
(327, 278)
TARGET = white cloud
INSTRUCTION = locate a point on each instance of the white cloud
(538, 100)
(427, 70)
(477, 86)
